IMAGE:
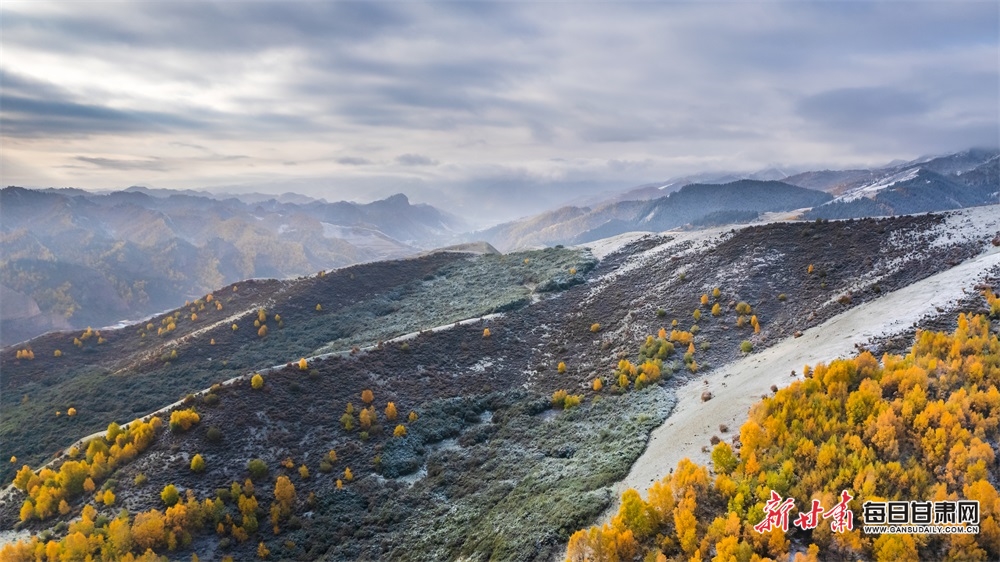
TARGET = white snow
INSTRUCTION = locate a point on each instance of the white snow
(738, 385)
(602, 248)
(973, 223)
(870, 190)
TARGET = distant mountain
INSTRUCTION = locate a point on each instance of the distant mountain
(955, 181)
(833, 181)
(75, 259)
(700, 202)
(694, 203)
(659, 189)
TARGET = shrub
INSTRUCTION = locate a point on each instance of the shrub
(782, 297)
(743, 308)
(210, 399)
(257, 381)
(182, 420)
(746, 347)
(304, 472)
(365, 418)
(367, 396)
(696, 314)
(412, 417)
(140, 479)
(595, 327)
(197, 463)
(214, 435)
(170, 495)
(257, 469)
(660, 313)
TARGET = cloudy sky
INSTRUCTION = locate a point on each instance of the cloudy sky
(487, 109)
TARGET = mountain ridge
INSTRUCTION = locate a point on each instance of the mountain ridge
(144, 252)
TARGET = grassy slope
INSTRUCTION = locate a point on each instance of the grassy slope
(124, 377)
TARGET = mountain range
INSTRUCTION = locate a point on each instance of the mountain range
(72, 259)
(953, 181)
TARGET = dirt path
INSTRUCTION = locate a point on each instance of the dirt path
(737, 386)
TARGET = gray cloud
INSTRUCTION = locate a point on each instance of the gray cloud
(354, 161)
(551, 101)
(857, 108)
(117, 164)
(416, 160)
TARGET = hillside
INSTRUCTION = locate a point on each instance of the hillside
(81, 259)
(915, 425)
(915, 190)
(960, 180)
(485, 403)
(694, 203)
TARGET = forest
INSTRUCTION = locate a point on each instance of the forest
(913, 427)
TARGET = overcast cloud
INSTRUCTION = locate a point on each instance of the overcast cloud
(492, 110)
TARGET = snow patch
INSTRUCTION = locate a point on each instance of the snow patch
(872, 189)
(736, 387)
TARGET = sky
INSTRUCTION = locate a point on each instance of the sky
(488, 110)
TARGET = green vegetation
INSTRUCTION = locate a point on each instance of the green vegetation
(382, 300)
(257, 469)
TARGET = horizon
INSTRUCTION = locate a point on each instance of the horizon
(540, 104)
(476, 224)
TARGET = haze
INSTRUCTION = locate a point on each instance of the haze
(487, 110)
